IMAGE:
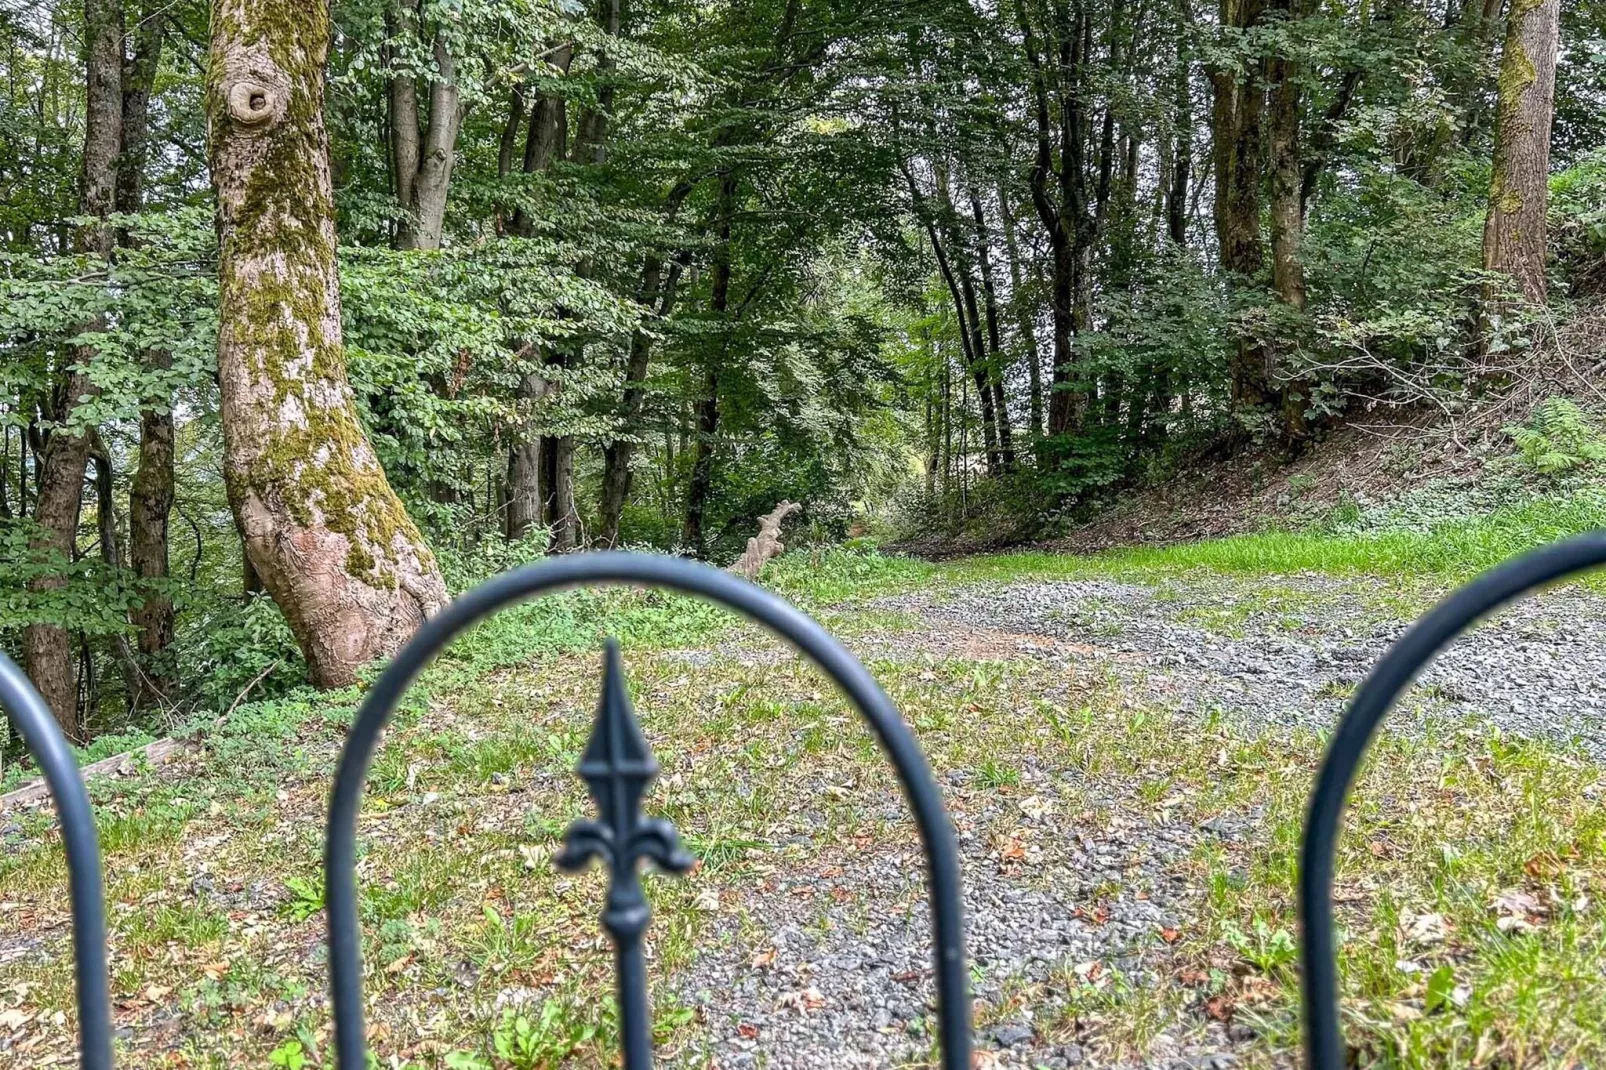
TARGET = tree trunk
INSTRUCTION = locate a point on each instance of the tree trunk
(562, 515)
(1023, 317)
(693, 536)
(150, 504)
(1287, 206)
(546, 138)
(150, 495)
(1176, 208)
(702, 469)
(59, 480)
(617, 455)
(948, 250)
(524, 488)
(997, 365)
(423, 158)
(1286, 172)
(59, 475)
(320, 523)
(138, 79)
(1514, 232)
(531, 460)
(1237, 117)
(1069, 220)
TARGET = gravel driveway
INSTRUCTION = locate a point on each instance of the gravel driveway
(789, 987)
(1285, 650)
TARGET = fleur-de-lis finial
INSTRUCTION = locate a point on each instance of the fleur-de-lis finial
(618, 767)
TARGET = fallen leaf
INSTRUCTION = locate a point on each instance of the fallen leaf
(803, 1000)
(1518, 911)
(1423, 929)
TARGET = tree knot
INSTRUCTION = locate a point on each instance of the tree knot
(253, 104)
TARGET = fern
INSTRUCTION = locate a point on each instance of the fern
(1559, 437)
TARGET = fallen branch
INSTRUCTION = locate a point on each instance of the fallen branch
(766, 544)
(154, 755)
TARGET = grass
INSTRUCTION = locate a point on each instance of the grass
(1470, 872)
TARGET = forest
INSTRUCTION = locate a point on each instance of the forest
(312, 315)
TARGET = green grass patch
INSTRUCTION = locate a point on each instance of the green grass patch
(1452, 550)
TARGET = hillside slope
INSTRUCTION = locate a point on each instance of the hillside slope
(1414, 463)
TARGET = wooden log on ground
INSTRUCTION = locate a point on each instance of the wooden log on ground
(155, 755)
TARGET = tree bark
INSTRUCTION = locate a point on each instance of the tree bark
(546, 138)
(618, 454)
(61, 465)
(1514, 231)
(1286, 172)
(1176, 208)
(531, 460)
(948, 249)
(524, 496)
(150, 505)
(562, 514)
(1060, 195)
(138, 79)
(766, 545)
(1287, 207)
(319, 521)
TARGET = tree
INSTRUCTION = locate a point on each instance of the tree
(321, 525)
(1514, 231)
(150, 495)
(59, 480)
(422, 151)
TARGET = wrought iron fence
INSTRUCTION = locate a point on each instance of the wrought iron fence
(617, 768)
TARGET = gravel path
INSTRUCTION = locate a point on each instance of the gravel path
(785, 985)
(1290, 650)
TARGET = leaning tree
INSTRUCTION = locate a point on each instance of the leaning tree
(320, 523)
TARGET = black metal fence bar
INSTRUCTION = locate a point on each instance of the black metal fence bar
(753, 602)
(49, 748)
(1324, 1036)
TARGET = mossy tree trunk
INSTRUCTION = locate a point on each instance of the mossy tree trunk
(1514, 232)
(320, 523)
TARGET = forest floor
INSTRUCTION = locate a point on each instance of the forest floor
(1125, 745)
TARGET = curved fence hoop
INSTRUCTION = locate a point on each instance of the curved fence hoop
(1324, 1038)
(48, 746)
(753, 602)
